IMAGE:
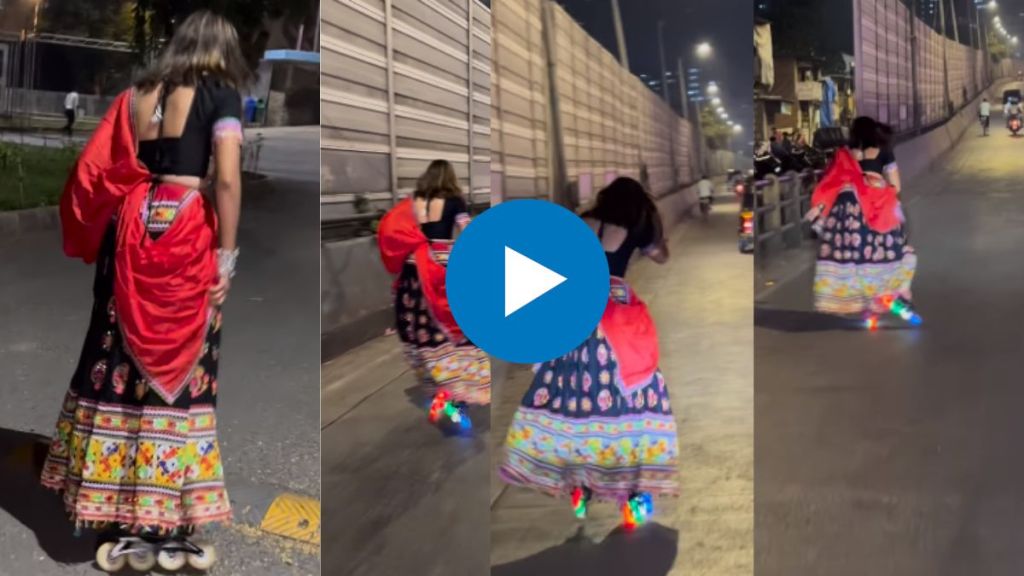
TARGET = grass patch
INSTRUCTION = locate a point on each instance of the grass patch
(45, 124)
(33, 176)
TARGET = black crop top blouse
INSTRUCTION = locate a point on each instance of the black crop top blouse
(216, 109)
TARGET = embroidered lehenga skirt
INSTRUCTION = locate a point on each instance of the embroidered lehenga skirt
(123, 457)
(578, 426)
(858, 266)
(440, 361)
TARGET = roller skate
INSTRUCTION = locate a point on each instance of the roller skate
(580, 501)
(444, 412)
(144, 552)
(900, 307)
(637, 510)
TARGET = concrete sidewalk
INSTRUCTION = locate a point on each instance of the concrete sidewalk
(400, 497)
(702, 302)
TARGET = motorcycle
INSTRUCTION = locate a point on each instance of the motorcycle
(746, 231)
(1014, 124)
(705, 207)
(744, 192)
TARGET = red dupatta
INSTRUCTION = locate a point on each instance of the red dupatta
(161, 287)
(630, 331)
(398, 236)
(879, 205)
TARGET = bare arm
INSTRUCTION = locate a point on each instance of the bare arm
(227, 187)
(228, 190)
(893, 176)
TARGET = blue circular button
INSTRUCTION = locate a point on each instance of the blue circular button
(527, 281)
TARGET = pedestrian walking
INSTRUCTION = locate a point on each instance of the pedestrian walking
(415, 239)
(135, 453)
(597, 423)
(70, 112)
(985, 115)
(865, 261)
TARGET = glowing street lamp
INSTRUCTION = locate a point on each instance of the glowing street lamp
(703, 50)
(712, 89)
(716, 101)
(736, 128)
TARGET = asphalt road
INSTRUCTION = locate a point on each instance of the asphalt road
(268, 406)
(400, 497)
(897, 452)
(702, 302)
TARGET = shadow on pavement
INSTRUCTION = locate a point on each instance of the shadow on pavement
(40, 510)
(649, 551)
(795, 321)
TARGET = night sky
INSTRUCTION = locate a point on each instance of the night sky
(726, 24)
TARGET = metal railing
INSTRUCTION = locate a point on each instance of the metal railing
(779, 208)
(251, 152)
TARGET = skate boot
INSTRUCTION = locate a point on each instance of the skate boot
(637, 510)
(445, 412)
(899, 306)
(144, 552)
(580, 501)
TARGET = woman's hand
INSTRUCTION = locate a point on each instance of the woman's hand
(813, 214)
(658, 252)
(219, 291)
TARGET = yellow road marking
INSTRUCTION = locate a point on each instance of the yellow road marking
(295, 517)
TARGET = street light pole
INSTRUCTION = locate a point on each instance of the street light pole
(661, 52)
(620, 36)
(683, 99)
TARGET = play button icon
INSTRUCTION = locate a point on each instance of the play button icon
(527, 281)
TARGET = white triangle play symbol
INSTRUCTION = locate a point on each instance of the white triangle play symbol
(526, 280)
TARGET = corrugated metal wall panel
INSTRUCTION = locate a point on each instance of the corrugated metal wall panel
(387, 111)
(884, 89)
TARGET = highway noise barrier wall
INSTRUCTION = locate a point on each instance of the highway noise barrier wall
(408, 81)
(403, 82)
(894, 48)
(568, 118)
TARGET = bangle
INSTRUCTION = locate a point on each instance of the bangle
(226, 260)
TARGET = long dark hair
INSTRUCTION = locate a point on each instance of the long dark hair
(439, 181)
(205, 45)
(625, 203)
(866, 132)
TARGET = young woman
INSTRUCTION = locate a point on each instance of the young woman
(415, 239)
(871, 144)
(865, 263)
(135, 453)
(596, 423)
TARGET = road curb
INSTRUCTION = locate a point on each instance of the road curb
(14, 223)
(268, 509)
(18, 222)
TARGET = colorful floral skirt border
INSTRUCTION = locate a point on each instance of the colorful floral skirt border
(575, 427)
(462, 370)
(856, 265)
(122, 457)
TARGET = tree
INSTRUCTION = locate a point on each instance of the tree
(998, 49)
(155, 20)
(106, 19)
(716, 131)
